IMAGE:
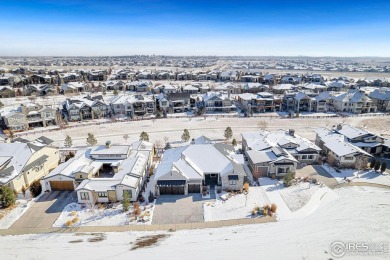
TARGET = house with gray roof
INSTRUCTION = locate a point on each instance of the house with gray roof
(338, 150)
(381, 99)
(278, 152)
(186, 169)
(103, 173)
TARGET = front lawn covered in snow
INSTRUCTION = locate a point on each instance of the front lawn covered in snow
(298, 195)
(75, 214)
(369, 176)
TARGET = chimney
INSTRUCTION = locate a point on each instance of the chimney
(291, 132)
(108, 144)
(193, 141)
(339, 126)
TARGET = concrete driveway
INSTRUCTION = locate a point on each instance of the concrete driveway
(44, 212)
(317, 172)
(178, 209)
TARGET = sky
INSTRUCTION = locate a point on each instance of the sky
(223, 28)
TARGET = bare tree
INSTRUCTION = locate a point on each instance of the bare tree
(262, 124)
(126, 136)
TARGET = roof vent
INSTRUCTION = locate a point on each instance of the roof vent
(108, 144)
(291, 132)
(339, 126)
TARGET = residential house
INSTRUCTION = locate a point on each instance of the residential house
(22, 163)
(133, 105)
(104, 173)
(260, 102)
(218, 102)
(353, 101)
(381, 99)
(183, 171)
(278, 152)
(339, 152)
(6, 92)
(254, 88)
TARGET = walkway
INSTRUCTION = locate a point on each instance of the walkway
(167, 227)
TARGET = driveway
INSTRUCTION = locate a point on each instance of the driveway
(319, 173)
(178, 209)
(44, 212)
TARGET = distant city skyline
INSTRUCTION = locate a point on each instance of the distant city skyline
(221, 28)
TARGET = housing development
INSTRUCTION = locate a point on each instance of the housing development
(194, 130)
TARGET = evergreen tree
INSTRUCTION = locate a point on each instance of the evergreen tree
(91, 140)
(383, 167)
(167, 146)
(115, 92)
(126, 201)
(372, 163)
(377, 165)
(68, 141)
(185, 136)
(7, 197)
(144, 136)
(234, 142)
(228, 133)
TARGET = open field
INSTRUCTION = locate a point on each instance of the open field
(212, 127)
(300, 238)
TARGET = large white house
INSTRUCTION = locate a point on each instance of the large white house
(103, 173)
(186, 169)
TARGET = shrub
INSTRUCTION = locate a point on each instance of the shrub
(137, 210)
(7, 197)
(151, 197)
(254, 212)
(246, 186)
(265, 210)
(383, 167)
(24, 191)
(273, 207)
(377, 165)
(372, 163)
(288, 178)
(273, 176)
(75, 220)
(219, 189)
(73, 213)
(35, 188)
(141, 199)
(68, 223)
(126, 201)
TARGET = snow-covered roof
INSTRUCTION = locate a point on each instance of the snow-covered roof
(14, 157)
(113, 149)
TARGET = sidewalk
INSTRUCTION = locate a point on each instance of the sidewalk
(169, 227)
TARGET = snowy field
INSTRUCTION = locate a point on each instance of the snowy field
(369, 176)
(114, 216)
(235, 207)
(291, 202)
(298, 195)
(213, 127)
(357, 214)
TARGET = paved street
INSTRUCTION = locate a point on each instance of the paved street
(45, 211)
(178, 209)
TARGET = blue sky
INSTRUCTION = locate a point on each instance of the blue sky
(118, 27)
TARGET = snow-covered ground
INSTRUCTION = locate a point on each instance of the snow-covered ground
(23, 203)
(213, 127)
(291, 202)
(235, 207)
(115, 216)
(298, 195)
(357, 215)
(369, 176)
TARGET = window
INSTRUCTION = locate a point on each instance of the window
(233, 179)
(232, 182)
(304, 157)
(310, 157)
(102, 194)
(84, 195)
(348, 158)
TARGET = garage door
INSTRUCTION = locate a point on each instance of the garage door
(193, 188)
(61, 185)
(261, 172)
(171, 187)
